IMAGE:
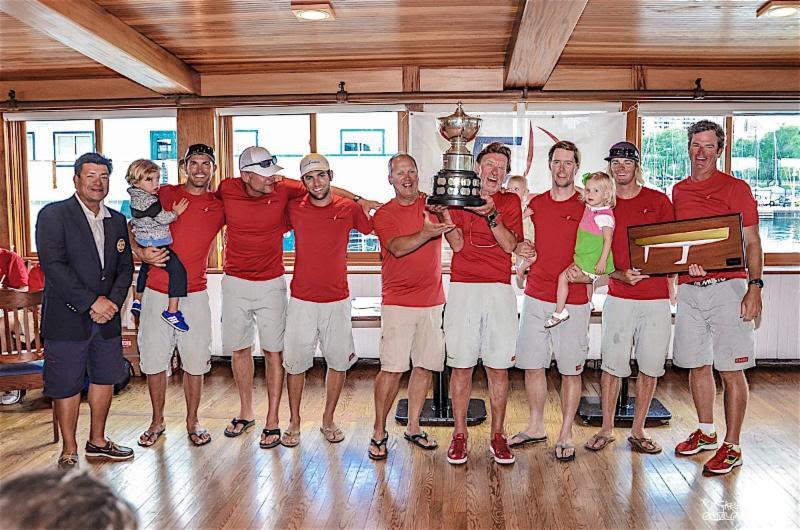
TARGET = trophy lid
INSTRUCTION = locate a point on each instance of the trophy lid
(459, 124)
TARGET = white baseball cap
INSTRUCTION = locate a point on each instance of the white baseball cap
(259, 161)
(313, 162)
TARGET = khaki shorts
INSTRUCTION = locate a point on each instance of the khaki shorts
(250, 305)
(709, 328)
(328, 325)
(411, 336)
(157, 339)
(480, 321)
(568, 342)
(645, 326)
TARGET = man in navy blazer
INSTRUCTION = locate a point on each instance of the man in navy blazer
(86, 259)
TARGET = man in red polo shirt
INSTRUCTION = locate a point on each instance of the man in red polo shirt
(714, 325)
(193, 235)
(412, 301)
(319, 308)
(637, 311)
(556, 214)
(480, 319)
(253, 286)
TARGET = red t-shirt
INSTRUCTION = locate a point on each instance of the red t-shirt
(719, 194)
(192, 233)
(414, 280)
(482, 260)
(13, 272)
(555, 230)
(254, 238)
(321, 235)
(649, 206)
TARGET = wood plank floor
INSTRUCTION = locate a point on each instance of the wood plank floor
(231, 483)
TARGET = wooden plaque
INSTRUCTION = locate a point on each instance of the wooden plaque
(715, 243)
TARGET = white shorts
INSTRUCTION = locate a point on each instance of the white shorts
(311, 323)
(568, 342)
(411, 336)
(709, 328)
(645, 326)
(249, 305)
(480, 321)
(158, 340)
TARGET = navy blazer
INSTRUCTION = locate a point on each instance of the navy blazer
(73, 277)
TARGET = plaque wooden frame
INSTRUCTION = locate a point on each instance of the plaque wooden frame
(715, 243)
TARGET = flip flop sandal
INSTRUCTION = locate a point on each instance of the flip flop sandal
(333, 434)
(564, 447)
(147, 436)
(246, 424)
(270, 432)
(639, 445)
(526, 440)
(378, 444)
(200, 435)
(604, 441)
(290, 438)
(415, 439)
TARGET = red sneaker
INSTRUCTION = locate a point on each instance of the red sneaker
(457, 453)
(500, 450)
(724, 461)
(696, 442)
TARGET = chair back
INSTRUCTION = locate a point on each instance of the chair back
(20, 313)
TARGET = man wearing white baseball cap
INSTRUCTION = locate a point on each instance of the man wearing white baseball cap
(253, 287)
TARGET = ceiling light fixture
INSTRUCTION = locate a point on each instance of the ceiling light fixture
(778, 8)
(312, 11)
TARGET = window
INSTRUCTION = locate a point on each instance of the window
(129, 139)
(766, 154)
(69, 145)
(362, 142)
(30, 141)
(242, 139)
(665, 156)
(50, 180)
(163, 145)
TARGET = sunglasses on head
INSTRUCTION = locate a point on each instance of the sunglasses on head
(264, 163)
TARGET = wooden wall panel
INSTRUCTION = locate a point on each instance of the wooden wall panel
(72, 89)
(5, 218)
(197, 126)
(744, 79)
(460, 79)
(383, 80)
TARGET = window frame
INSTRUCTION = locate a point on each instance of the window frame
(342, 152)
(30, 136)
(56, 134)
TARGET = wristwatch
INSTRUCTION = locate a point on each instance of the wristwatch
(758, 282)
(492, 218)
(357, 198)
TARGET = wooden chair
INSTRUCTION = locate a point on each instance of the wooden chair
(21, 351)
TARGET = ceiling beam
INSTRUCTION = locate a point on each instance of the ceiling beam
(539, 37)
(91, 30)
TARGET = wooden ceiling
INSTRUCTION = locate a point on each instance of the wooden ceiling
(187, 40)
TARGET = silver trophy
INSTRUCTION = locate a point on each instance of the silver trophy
(457, 184)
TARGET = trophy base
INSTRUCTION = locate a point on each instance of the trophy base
(447, 200)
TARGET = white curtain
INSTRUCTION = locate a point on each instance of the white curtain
(593, 133)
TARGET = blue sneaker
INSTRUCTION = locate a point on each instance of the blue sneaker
(136, 308)
(175, 320)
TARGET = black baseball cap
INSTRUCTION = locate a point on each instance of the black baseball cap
(200, 149)
(623, 150)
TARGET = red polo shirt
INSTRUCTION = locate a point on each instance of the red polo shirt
(193, 235)
(649, 206)
(720, 194)
(321, 236)
(482, 260)
(414, 280)
(555, 229)
(254, 237)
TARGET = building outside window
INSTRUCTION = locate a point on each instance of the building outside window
(242, 139)
(30, 144)
(69, 145)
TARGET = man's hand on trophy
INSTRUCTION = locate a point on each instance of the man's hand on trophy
(484, 210)
(431, 230)
(696, 270)
(441, 211)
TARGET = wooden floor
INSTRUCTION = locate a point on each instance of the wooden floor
(231, 483)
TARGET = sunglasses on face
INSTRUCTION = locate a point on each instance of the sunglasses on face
(264, 163)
